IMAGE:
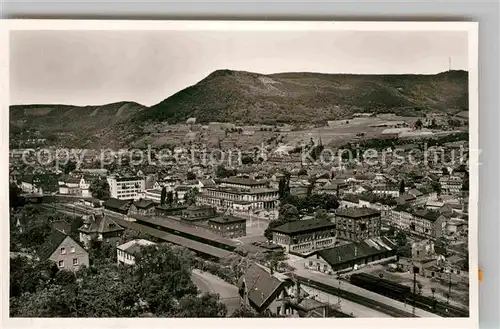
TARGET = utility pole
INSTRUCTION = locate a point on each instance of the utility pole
(415, 271)
(449, 63)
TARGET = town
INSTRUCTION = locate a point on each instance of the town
(360, 217)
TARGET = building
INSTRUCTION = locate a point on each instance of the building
(197, 213)
(265, 291)
(226, 196)
(228, 226)
(391, 190)
(358, 223)
(153, 195)
(451, 184)
(303, 237)
(126, 188)
(127, 252)
(169, 211)
(99, 228)
(119, 206)
(142, 207)
(84, 185)
(421, 222)
(65, 252)
(422, 250)
(352, 256)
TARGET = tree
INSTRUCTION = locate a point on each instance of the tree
(288, 213)
(330, 202)
(170, 197)
(69, 167)
(402, 187)
(100, 189)
(244, 312)
(162, 278)
(206, 306)
(268, 233)
(418, 124)
(246, 160)
(275, 259)
(15, 198)
(321, 214)
(222, 172)
(190, 196)
(190, 175)
(163, 195)
(436, 187)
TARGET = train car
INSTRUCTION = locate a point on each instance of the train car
(380, 286)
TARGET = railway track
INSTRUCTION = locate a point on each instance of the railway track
(375, 305)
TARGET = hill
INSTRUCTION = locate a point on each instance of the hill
(238, 96)
(83, 126)
(242, 97)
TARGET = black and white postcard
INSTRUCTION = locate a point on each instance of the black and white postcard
(240, 170)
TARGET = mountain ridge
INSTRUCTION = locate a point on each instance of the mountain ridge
(252, 98)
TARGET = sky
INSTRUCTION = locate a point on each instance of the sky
(101, 67)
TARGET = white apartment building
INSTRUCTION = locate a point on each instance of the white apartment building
(126, 188)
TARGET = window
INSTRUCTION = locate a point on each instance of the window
(458, 272)
(61, 263)
(75, 261)
(72, 250)
(63, 251)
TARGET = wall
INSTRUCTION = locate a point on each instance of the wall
(79, 253)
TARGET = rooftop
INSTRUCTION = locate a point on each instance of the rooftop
(299, 226)
(133, 247)
(243, 181)
(227, 219)
(352, 251)
(357, 212)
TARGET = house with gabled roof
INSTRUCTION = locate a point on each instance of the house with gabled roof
(99, 227)
(265, 291)
(63, 250)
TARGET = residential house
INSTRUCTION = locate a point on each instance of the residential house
(64, 251)
(84, 184)
(358, 223)
(142, 207)
(352, 256)
(265, 291)
(303, 237)
(126, 253)
(99, 227)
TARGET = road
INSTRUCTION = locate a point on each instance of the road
(208, 283)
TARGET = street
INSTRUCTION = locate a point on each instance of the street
(208, 283)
